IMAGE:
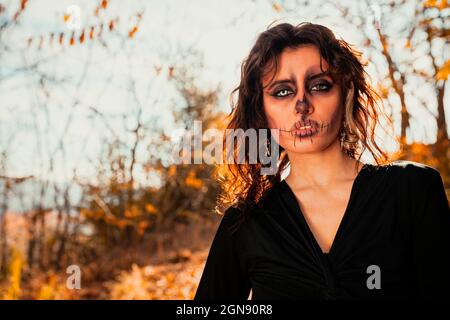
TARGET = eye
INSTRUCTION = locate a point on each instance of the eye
(322, 86)
(282, 93)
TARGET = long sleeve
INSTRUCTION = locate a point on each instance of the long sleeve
(224, 276)
(431, 239)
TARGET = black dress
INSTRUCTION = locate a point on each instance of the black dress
(393, 242)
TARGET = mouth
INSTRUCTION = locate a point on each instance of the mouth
(305, 128)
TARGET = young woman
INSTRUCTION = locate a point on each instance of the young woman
(335, 227)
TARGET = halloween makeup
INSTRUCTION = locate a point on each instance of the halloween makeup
(302, 101)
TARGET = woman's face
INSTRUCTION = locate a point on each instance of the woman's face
(302, 101)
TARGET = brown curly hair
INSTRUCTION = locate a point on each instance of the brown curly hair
(242, 184)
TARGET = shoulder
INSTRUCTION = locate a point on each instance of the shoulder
(412, 172)
(415, 182)
(237, 220)
(232, 220)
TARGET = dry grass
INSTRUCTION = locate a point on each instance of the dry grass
(165, 265)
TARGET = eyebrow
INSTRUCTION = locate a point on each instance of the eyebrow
(309, 77)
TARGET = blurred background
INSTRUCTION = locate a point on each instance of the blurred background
(93, 95)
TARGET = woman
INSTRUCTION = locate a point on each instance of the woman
(335, 227)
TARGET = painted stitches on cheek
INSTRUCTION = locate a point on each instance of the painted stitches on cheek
(317, 90)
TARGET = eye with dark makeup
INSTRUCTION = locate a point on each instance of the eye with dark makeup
(322, 86)
(276, 93)
(316, 86)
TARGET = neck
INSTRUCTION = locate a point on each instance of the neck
(321, 168)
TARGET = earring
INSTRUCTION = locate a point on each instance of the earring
(348, 140)
(343, 133)
(268, 147)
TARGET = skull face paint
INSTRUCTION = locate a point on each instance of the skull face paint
(302, 101)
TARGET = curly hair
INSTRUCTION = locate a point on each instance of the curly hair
(242, 184)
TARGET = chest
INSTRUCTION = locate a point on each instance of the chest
(323, 210)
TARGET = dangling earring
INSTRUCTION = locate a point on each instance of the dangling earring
(268, 147)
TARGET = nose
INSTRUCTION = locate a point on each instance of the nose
(303, 106)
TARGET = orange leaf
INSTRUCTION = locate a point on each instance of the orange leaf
(142, 225)
(132, 212)
(91, 33)
(444, 71)
(132, 32)
(122, 223)
(82, 37)
(151, 209)
(72, 39)
(276, 7)
(193, 181)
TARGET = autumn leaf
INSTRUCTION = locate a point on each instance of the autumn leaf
(172, 171)
(193, 181)
(91, 33)
(444, 71)
(142, 226)
(383, 91)
(132, 212)
(15, 275)
(435, 4)
(132, 32)
(82, 37)
(408, 44)
(276, 7)
(151, 209)
(443, 5)
(122, 223)
(47, 291)
(110, 219)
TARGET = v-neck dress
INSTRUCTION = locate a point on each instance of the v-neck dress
(393, 242)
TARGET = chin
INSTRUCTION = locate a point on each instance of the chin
(306, 145)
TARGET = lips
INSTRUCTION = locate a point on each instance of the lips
(305, 128)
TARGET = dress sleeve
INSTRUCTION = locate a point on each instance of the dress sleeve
(431, 239)
(224, 275)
